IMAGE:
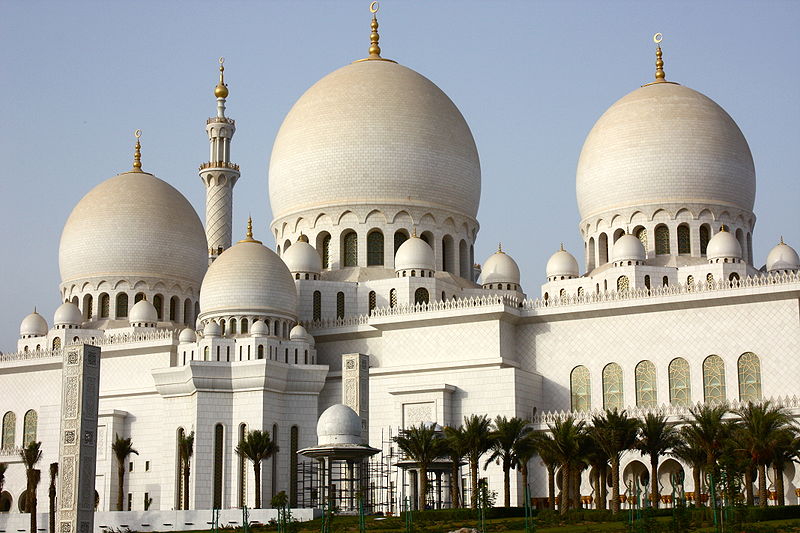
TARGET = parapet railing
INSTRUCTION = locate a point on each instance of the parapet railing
(105, 340)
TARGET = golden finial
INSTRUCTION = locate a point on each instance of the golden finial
(500, 248)
(660, 76)
(302, 238)
(249, 235)
(722, 227)
(221, 90)
(782, 240)
(137, 154)
(374, 37)
(562, 246)
(414, 232)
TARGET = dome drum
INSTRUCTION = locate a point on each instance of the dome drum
(500, 272)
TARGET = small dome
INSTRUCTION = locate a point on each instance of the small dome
(339, 425)
(723, 245)
(302, 257)
(212, 329)
(259, 329)
(782, 257)
(299, 333)
(188, 335)
(500, 268)
(67, 314)
(414, 254)
(143, 312)
(628, 248)
(562, 263)
(33, 325)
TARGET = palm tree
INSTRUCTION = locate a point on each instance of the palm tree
(787, 447)
(423, 445)
(506, 433)
(566, 447)
(257, 446)
(31, 455)
(3, 468)
(122, 448)
(524, 449)
(456, 450)
(691, 453)
(52, 495)
(761, 428)
(656, 436)
(706, 427)
(598, 461)
(546, 448)
(476, 436)
(615, 433)
(185, 452)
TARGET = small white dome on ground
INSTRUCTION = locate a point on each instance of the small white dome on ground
(67, 314)
(187, 335)
(414, 254)
(628, 248)
(782, 257)
(339, 424)
(33, 325)
(723, 245)
(500, 268)
(562, 264)
(143, 313)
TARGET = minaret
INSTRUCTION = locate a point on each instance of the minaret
(219, 175)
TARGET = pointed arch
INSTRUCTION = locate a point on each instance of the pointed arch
(613, 396)
(749, 370)
(375, 248)
(580, 387)
(714, 379)
(680, 392)
(646, 393)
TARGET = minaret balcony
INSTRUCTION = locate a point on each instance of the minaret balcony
(219, 164)
(224, 120)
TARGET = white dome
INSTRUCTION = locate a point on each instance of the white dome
(562, 263)
(33, 325)
(500, 268)
(187, 335)
(134, 225)
(339, 424)
(259, 329)
(628, 248)
(664, 144)
(298, 333)
(212, 329)
(248, 278)
(414, 254)
(143, 312)
(302, 257)
(67, 314)
(724, 245)
(374, 132)
(782, 257)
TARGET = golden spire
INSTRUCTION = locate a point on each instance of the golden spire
(302, 238)
(660, 76)
(562, 246)
(414, 232)
(249, 235)
(500, 248)
(137, 154)
(221, 90)
(722, 227)
(374, 37)
(782, 240)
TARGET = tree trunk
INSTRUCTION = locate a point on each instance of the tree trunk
(507, 483)
(656, 492)
(186, 485)
(563, 503)
(423, 487)
(551, 487)
(778, 469)
(473, 472)
(762, 486)
(455, 493)
(615, 485)
(523, 470)
(604, 487)
(697, 488)
(257, 477)
(120, 480)
(748, 486)
(33, 481)
(52, 495)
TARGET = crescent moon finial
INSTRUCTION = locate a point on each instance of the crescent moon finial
(137, 133)
(374, 7)
(221, 60)
(657, 38)
(137, 152)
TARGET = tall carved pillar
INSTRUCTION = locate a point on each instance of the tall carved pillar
(78, 438)
(355, 387)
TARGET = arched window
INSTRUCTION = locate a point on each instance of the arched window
(705, 236)
(590, 255)
(158, 303)
(463, 259)
(733, 277)
(400, 236)
(646, 395)
(121, 309)
(561, 294)
(56, 343)
(350, 249)
(647, 282)
(294, 445)
(105, 305)
(276, 330)
(173, 308)
(665, 281)
(188, 319)
(662, 240)
(223, 325)
(244, 325)
(375, 248)
(242, 492)
(749, 378)
(218, 458)
(317, 305)
(392, 298)
(326, 251)
(138, 297)
(622, 283)
(581, 292)
(742, 244)
(87, 307)
(261, 351)
(372, 301)
(339, 305)
(602, 249)
(9, 430)
(233, 330)
(206, 353)
(690, 283)
(580, 387)
(684, 240)
(710, 280)
(421, 296)
(447, 253)
(680, 392)
(749, 247)
(618, 233)
(714, 379)
(612, 387)
(641, 234)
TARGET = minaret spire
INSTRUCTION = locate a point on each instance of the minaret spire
(137, 152)
(219, 175)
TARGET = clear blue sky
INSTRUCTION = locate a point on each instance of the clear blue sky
(530, 77)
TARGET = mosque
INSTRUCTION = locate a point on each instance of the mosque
(372, 297)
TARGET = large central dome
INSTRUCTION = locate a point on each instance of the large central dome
(374, 132)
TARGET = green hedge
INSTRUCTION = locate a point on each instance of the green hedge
(440, 515)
